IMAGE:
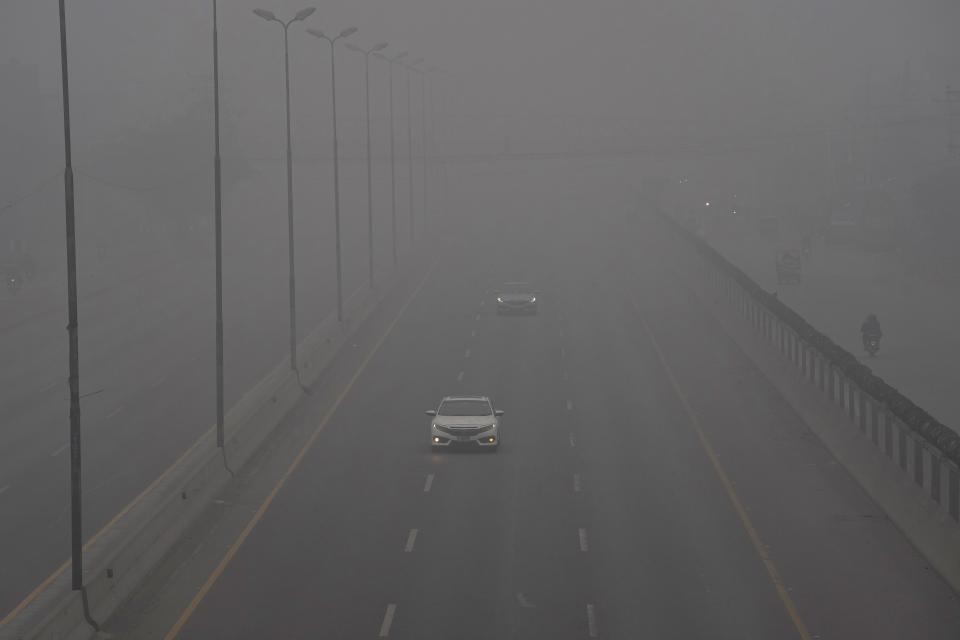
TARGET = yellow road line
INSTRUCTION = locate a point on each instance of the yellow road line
(265, 505)
(758, 546)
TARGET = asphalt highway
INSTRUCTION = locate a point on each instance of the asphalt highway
(650, 482)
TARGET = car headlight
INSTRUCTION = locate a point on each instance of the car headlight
(533, 299)
(499, 299)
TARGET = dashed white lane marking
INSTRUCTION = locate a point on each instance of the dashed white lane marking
(387, 620)
(573, 441)
(563, 352)
(524, 602)
(460, 377)
(59, 450)
(115, 411)
(576, 483)
(466, 353)
(411, 540)
(483, 302)
(592, 621)
(158, 382)
(473, 334)
(566, 376)
(50, 386)
(478, 317)
(584, 543)
(569, 405)
(4, 488)
(428, 483)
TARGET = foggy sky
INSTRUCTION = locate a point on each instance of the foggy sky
(705, 60)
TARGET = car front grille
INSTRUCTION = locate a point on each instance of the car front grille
(463, 431)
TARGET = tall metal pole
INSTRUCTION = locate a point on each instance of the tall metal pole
(76, 476)
(393, 170)
(423, 136)
(366, 59)
(217, 227)
(410, 162)
(291, 267)
(336, 180)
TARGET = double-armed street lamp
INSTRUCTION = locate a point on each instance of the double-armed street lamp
(366, 57)
(336, 156)
(303, 14)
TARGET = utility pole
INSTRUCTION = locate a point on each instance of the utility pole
(76, 475)
(217, 227)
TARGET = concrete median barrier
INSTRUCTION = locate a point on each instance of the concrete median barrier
(123, 553)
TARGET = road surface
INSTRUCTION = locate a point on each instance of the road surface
(650, 483)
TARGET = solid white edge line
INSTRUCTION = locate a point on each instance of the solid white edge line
(411, 541)
(59, 450)
(115, 411)
(387, 620)
(428, 483)
(592, 621)
(584, 543)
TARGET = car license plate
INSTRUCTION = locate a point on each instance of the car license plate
(463, 438)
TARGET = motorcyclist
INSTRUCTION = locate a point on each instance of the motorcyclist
(870, 330)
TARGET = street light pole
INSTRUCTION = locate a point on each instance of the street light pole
(303, 14)
(423, 136)
(393, 155)
(76, 496)
(336, 157)
(366, 59)
(218, 228)
(410, 154)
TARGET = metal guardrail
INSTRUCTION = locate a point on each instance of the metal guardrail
(919, 445)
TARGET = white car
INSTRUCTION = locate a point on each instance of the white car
(469, 421)
(517, 297)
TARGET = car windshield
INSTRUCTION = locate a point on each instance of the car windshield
(465, 408)
(515, 287)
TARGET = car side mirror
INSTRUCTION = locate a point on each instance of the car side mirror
(431, 412)
(498, 413)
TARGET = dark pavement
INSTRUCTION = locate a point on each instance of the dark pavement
(601, 516)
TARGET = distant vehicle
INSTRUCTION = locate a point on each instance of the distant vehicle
(517, 297)
(871, 344)
(469, 421)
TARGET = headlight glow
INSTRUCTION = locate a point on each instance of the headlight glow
(533, 299)
(499, 299)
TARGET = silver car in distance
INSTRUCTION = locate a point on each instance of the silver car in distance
(468, 421)
(518, 298)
